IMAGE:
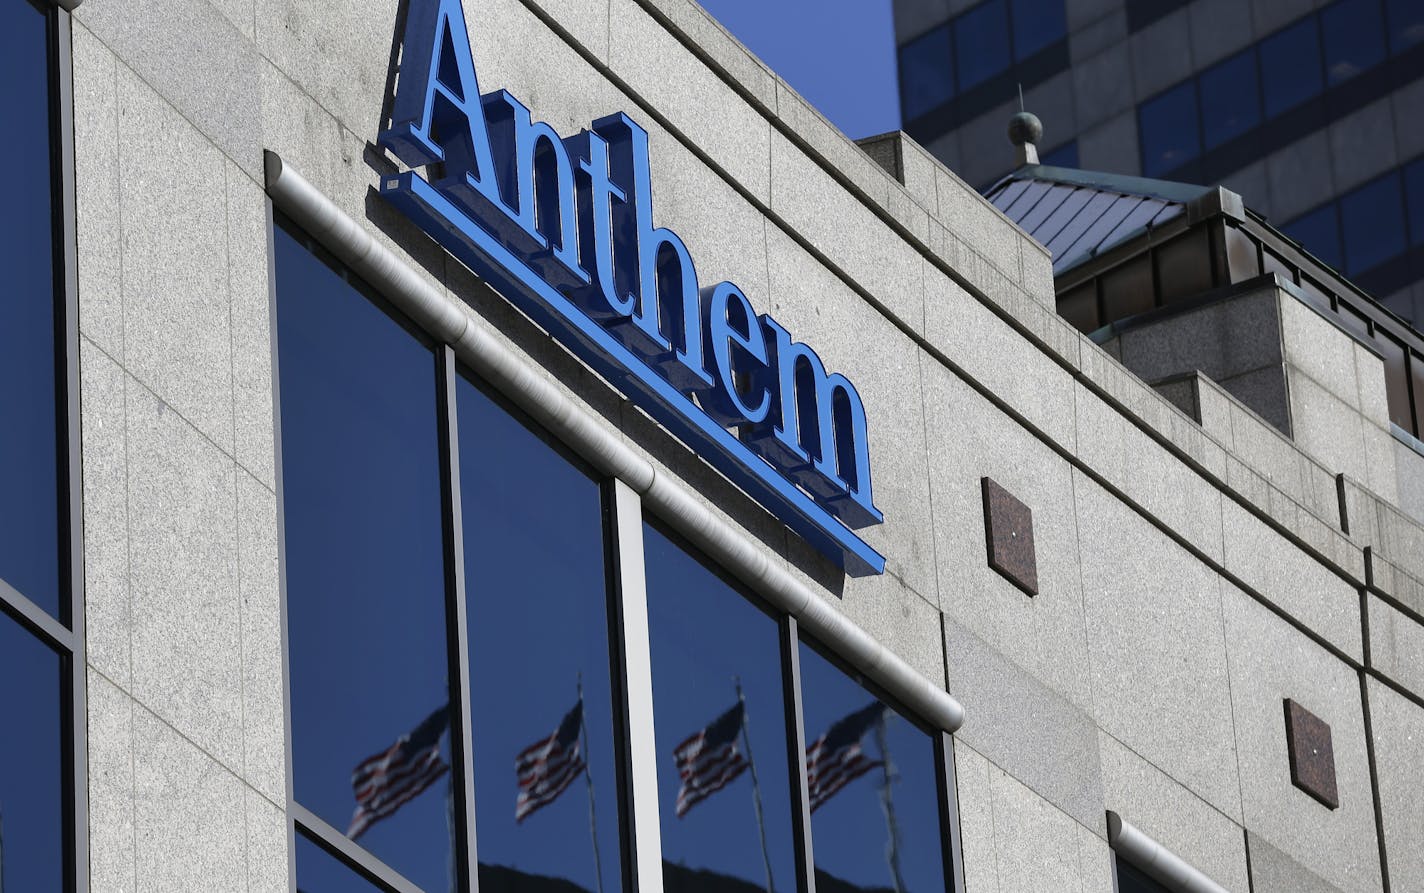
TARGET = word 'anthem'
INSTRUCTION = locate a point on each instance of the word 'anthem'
(564, 228)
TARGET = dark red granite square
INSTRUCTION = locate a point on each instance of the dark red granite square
(1312, 758)
(1008, 532)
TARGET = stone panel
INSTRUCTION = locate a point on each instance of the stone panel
(1100, 86)
(1271, 661)
(1362, 144)
(1396, 645)
(1398, 728)
(187, 657)
(976, 819)
(197, 60)
(1320, 350)
(1297, 583)
(111, 787)
(267, 858)
(189, 814)
(1158, 656)
(1172, 815)
(1326, 427)
(1110, 145)
(263, 713)
(108, 620)
(1272, 871)
(968, 440)
(1038, 846)
(96, 193)
(1218, 28)
(1300, 176)
(691, 96)
(177, 329)
(1025, 727)
(251, 327)
(1160, 56)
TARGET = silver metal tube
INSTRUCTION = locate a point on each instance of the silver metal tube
(449, 320)
(1158, 861)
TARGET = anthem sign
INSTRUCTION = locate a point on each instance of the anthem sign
(563, 227)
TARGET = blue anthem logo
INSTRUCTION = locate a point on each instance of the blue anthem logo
(564, 228)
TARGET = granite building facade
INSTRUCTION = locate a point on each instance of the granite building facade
(336, 561)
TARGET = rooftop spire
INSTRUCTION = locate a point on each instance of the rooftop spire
(1025, 130)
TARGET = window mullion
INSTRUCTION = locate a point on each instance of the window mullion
(457, 626)
(639, 759)
(796, 745)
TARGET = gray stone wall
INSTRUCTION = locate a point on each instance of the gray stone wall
(1186, 584)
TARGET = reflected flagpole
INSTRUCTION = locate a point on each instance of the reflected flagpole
(2, 851)
(756, 787)
(588, 777)
(887, 803)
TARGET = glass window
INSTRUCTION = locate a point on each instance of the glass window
(1065, 155)
(541, 696)
(1131, 879)
(320, 872)
(31, 772)
(1406, 23)
(1168, 128)
(926, 72)
(1354, 38)
(724, 787)
(981, 43)
(1414, 200)
(1291, 71)
(1037, 24)
(874, 788)
(29, 455)
(1319, 233)
(365, 569)
(1372, 222)
(1230, 102)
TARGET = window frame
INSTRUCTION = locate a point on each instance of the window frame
(65, 635)
(624, 514)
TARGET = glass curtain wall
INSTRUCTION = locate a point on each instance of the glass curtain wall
(41, 630)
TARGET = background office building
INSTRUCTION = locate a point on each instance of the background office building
(372, 520)
(1309, 110)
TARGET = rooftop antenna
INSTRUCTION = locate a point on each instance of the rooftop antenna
(1025, 130)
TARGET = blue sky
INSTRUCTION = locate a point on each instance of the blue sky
(839, 54)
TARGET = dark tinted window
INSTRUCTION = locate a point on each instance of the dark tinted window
(1037, 24)
(1291, 71)
(320, 872)
(1372, 222)
(1065, 155)
(926, 72)
(874, 789)
(1406, 23)
(365, 570)
(29, 490)
(1131, 879)
(537, 614)
(717, 686)
(1396, 380)
(1230, 103)
(1168, 129)
(981, 43)
(1354, 38)
(31, 790)
(1319, 233)
(1414, 200)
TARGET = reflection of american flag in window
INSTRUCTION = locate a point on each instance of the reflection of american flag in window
(395, 776)
(709, 760)
(547, 767)
(836, 759)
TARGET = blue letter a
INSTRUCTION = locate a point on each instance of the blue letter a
(437, 114)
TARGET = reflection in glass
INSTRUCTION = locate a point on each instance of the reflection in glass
(31, 791)
(29, 476)
(1037, 24)
(1131, 879)
(1230, 104)
(1354, 38)
(1291, 71)
(320, 872)
(1414, 200)
(541, 696)
(926, 72)
(1372, 221)
(1406, 23)
(1168, 126)
(365, 568)
(981, 43)
(719, 701)
(1319, 233)
(874, 788)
